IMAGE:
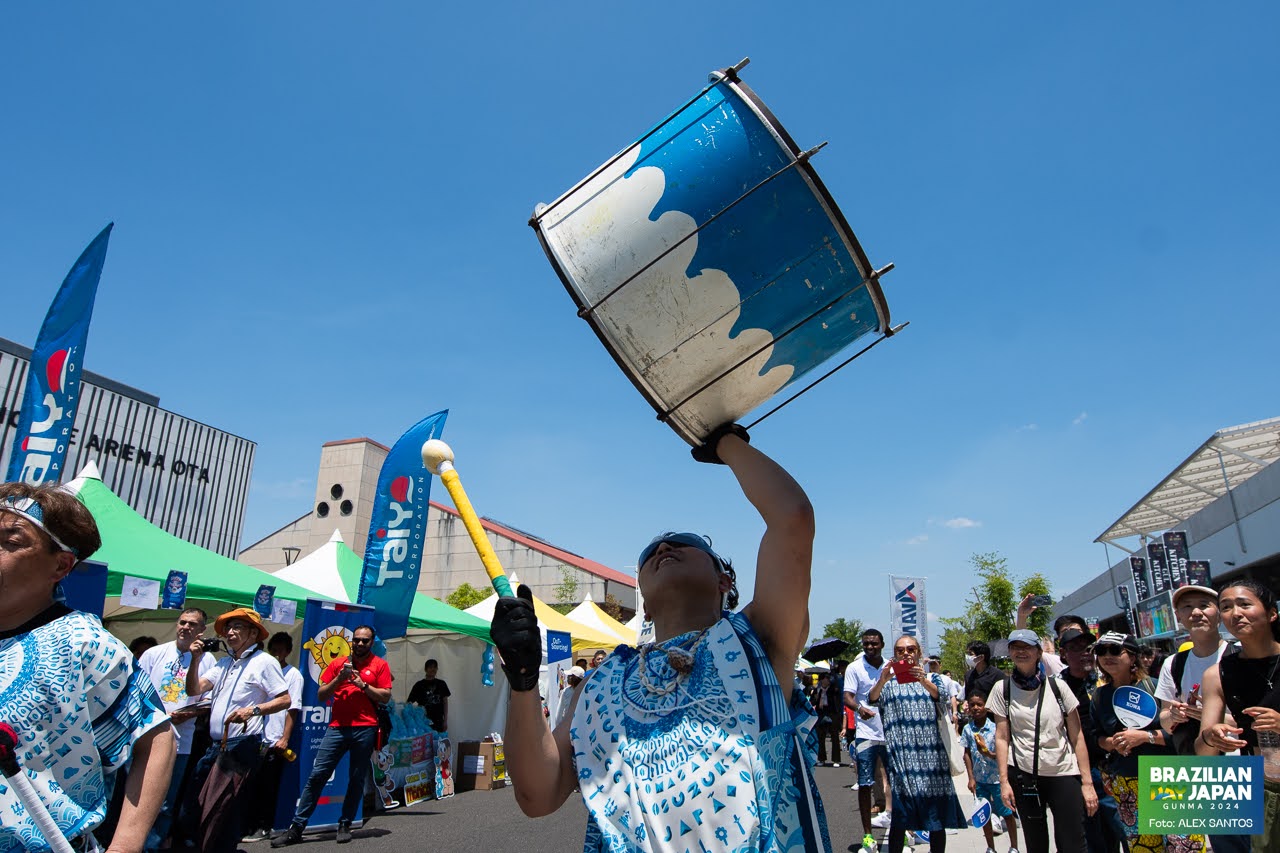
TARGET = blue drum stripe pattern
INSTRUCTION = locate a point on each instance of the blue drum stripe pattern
(710, 254)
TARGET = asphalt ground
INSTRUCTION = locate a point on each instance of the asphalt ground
(490, 821)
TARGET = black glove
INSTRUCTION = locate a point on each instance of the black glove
(706, 452)
(515, 633)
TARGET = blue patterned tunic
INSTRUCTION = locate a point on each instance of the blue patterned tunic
(721, 763)
(920, 771)
(78, 700)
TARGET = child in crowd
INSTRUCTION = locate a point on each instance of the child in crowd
(979, 740)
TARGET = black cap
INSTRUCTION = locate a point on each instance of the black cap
(1072, 633)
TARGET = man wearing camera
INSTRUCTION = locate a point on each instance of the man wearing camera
(247, 686)
(167, 665)
(356, 684)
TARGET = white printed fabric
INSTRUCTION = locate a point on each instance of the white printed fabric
(723, 763)
(78, 702)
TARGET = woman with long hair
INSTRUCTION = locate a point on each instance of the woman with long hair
(1246, 684)
(1121, 664)
(1040, 749)
(924, 797)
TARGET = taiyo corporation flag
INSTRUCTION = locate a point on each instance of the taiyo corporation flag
(53, 381)
(907, 611)
(398, 530)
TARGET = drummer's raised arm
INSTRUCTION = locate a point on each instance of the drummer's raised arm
(779, 610)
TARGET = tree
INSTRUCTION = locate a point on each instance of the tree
(990, 615)
(612, 606)
(466, 596)
(849, 630)
(566, 591)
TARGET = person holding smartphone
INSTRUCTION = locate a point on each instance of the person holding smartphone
(924, 797)
(1041, 751)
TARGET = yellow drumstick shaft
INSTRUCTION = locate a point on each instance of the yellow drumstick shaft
(449, 476)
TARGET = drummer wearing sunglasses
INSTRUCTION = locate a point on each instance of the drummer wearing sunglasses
(714, 682)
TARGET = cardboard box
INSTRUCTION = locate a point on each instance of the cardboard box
(481, 766)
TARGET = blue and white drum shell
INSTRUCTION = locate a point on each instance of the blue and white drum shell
(711, 261)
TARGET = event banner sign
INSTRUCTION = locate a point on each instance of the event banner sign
(907, 610)
(53, 380)
(1198, 573)
(1175, 546)
(1128, 609)
(559, 659)
(326, 630)
(398, 530)
(1193, 795)
(1155, 615)
(1138, 566)
(1159, 569)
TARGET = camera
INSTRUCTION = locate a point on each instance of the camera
(213, 644)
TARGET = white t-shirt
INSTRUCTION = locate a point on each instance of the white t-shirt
(167, 668)
(1192, 674)
(859, 678)
(252, 680)
(1057, 756)
(274, 728)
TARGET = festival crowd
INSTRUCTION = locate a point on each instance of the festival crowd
(704, 739)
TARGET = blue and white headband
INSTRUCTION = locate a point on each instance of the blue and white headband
(31, 510)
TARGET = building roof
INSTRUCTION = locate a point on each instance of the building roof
(1228, 458)
(530, 541)
(342, 441)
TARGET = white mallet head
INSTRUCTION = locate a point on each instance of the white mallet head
(435, 453)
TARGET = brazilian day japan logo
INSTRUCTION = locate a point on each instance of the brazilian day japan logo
(1199, 795)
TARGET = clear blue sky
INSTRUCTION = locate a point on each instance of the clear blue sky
(320, 233)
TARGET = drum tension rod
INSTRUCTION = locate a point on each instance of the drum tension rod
(893, 331)
(874, 276)
(801, 159)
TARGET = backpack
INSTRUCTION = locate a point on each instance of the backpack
(1183, 737)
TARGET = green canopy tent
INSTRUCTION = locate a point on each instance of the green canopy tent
(134, 547)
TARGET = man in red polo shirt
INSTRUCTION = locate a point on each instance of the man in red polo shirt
(355, 685)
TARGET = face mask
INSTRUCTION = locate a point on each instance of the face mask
(971, 661)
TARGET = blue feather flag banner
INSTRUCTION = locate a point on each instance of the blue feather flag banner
(398, 530)
(53, 380)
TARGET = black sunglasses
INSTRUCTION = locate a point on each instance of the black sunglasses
(1106, 649)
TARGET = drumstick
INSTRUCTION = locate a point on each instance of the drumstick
(438, 459)
(35, 807)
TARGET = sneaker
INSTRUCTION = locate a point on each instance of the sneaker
(991, 850)
(997, 824)
(292, 835)
(881, 821)
(260, 835)
(344, 832)
(869, 845)
(1011, 850)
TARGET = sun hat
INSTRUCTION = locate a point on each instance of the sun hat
(245, 614)
(1184, 590)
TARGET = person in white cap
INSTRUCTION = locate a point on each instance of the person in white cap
(1182, 674)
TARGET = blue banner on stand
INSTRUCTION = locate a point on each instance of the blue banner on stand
(398, 530)
(264, 600)
(326, 633)
(85, 589)
(174, 594)
(53, 381)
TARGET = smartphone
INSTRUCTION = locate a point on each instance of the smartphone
(1042, 600)
(212, 644)
(902, 671)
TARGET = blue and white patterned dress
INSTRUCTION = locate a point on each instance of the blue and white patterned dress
(920, 771)
(722, 763)
(78, 701)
